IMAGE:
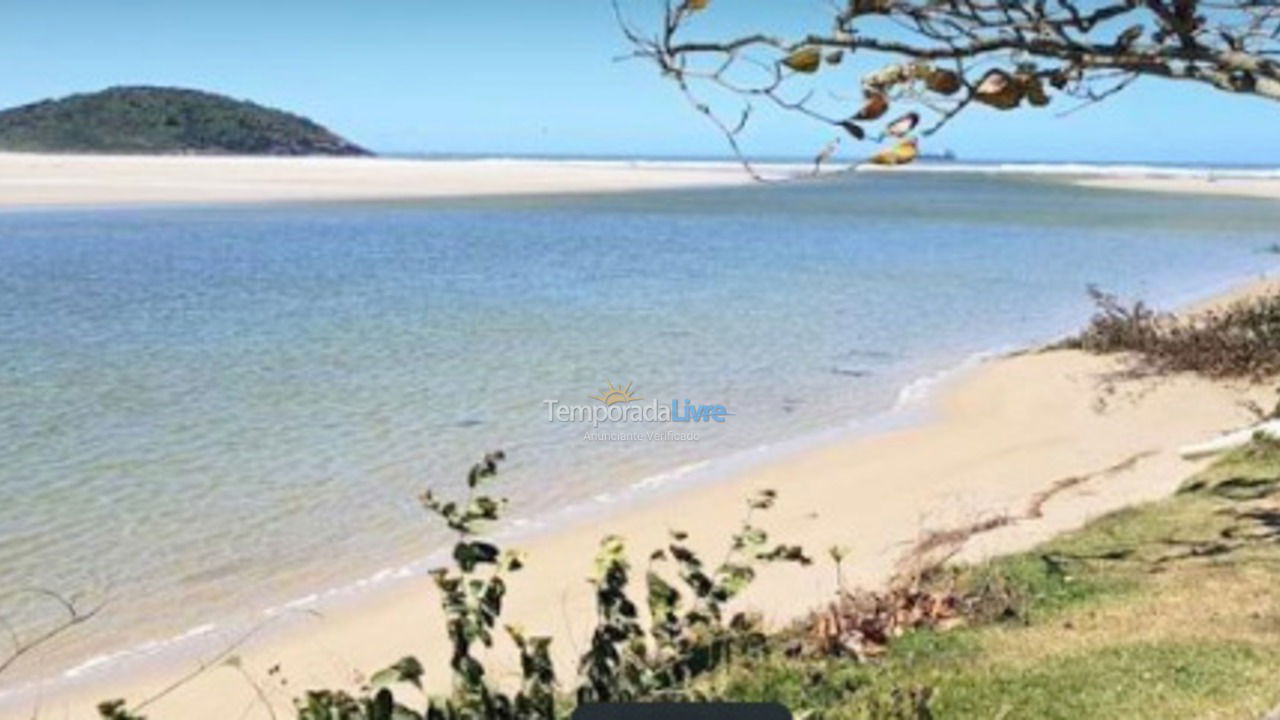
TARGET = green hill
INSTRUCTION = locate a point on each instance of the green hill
(164, 120)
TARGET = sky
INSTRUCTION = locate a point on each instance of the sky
(540, 77)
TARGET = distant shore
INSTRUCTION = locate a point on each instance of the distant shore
(51, 181)
(1002, 436)
(1237, 182)
(1202, 185)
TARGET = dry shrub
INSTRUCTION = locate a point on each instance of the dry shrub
(862, 624)
(1241, 340)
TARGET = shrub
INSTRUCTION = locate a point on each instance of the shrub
(1241, 340)
(690, 630)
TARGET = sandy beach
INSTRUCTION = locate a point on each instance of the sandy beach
(35, 180)
(47, 180)
(1201, 185)
(1001, 436)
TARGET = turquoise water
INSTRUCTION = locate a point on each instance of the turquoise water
(208, 413)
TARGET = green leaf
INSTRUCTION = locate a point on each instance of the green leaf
(763, 500)
(484, 508)
(116, 710)
(400, 712)
(786, 553)
(470, 554)
(406, 669)
(663, 598)
(754, 536)
(513, 560)
(735, 579)
(382, 706)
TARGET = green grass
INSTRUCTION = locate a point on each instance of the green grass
(1169, 610)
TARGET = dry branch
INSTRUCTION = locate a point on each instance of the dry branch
(944, 56)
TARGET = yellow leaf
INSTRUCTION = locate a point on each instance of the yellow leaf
(900, 154)
(805, 60)
(696, 4)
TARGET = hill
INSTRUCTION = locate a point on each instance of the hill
(164, 120)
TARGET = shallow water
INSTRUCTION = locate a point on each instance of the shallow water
(210, 412)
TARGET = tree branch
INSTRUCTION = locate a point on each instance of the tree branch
(74, 616)
(953, 54)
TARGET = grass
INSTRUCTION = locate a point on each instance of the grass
(1164, 610)
(1169, 609)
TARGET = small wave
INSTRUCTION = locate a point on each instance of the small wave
(94, 662)
(145, 649)
(921, 390)
(660, 479)
(304, 601)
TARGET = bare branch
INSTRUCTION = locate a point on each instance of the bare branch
(226, 657)
(72, 614)
(948, 55)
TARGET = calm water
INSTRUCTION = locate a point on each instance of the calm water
(210, 412)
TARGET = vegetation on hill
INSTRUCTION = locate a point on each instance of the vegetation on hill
(164, 120)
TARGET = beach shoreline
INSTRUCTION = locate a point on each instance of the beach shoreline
(40, 181)
(309, 642)
(996, 435)
(33, 181)
(1194, 185)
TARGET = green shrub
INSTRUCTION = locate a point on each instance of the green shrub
(690, 631)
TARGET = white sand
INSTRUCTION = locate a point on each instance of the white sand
(1239, 187)
(34, 180)
(39, 180)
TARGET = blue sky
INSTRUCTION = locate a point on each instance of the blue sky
(533, 76)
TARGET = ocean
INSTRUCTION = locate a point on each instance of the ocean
(210, 414)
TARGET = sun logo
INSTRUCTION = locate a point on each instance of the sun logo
(615, 395)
